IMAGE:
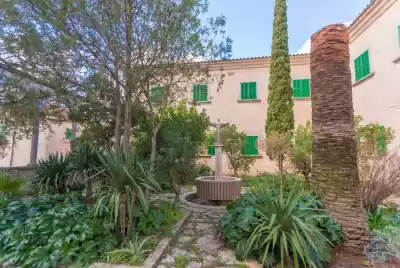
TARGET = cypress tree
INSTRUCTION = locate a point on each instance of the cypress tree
(280, 117)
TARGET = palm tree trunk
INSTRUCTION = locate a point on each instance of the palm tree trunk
(131, 212)
(89, 188)
(334, 164)
(122, 214)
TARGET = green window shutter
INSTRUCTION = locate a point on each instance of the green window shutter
(248, 91)
(211, 147)
(157, 94)
(398, 33)
(296, 88)
(68, 134)
(381, 145)
(301, 88)
(251, 146)
(362, 66)
(200, 92)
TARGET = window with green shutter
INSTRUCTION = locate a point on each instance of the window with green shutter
(301, 88)
(248, 91)
(68, 134)
(381, 145)
(398, 33)
(251, 147)
(157, 94)
(361, 66)
(200, 92)
(211, 147)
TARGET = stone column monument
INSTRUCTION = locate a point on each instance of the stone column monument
(218, 148)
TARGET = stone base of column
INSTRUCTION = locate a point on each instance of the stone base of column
(32, 164)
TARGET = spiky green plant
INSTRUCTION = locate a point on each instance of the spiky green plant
(85, 164)
(286, 232)
(126, 181)
(9, 186)
(53, 174)
(134, 254)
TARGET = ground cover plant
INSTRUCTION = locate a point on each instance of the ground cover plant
(50, 230)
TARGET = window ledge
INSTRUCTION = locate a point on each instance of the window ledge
(200, 102)
(205, 156)
(250, 100)
(364, 79)
(301, 98)
(397, 60)
(254, 156)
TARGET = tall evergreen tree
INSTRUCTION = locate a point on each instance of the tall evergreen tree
(280, 104)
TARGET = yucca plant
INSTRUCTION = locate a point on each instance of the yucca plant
(126, 181)
(286, 231)
(53, 174)
(9, 186)
(133, 254)
(85, 165)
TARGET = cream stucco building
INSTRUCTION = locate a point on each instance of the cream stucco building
(375, 66)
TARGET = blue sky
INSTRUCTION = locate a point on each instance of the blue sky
(249, 22)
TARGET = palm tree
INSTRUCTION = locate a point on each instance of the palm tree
(85, 163)
(334, 164)
(126, 181)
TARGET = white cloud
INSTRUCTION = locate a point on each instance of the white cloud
(306, 47)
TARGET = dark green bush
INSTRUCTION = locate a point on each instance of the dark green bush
(50, 230)
(258, 213)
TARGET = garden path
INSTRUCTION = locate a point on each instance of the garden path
(198, 243)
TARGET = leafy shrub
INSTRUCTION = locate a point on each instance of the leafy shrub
(278, 148)
(233, 141)
(282, 225)
(10, 186)
(301, 150)
(50, 230)
(53, 175)
(134, 254)
(181, 261)
(376, 220)
(160, 217)
(274, 181)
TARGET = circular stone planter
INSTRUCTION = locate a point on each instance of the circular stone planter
(221, 189)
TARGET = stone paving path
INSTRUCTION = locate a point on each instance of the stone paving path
(199, 241)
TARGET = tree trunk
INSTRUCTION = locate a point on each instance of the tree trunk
(334, 163)
(128, 75)
(175, 186)
(89, 188)
(131, 212)
(13, 147)
(122, 214)
(118, 112)
(153, 148)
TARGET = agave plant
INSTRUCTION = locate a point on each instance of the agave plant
(9, 186)
(286, 232)
(126, 181)
(85, 165)
(53, 174)
(134, 253)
